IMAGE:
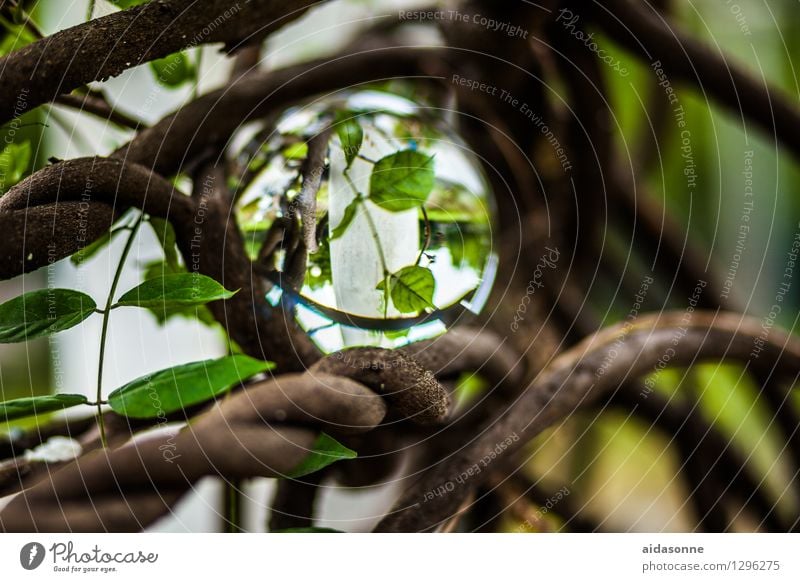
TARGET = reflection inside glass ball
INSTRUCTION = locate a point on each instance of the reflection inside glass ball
(368, 216)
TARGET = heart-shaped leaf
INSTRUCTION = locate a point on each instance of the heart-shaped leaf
(402, 180)
(181, 386)
(175, 290)
(22, 407)
(411, 289)
(326, 450)
(42, 313)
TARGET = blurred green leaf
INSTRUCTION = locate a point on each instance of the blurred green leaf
(175, 388)
(349, 215)
(451, 202)
(296, 151)
(13, 36)
(396, 334)
(174, 70)
(350, 134)
(469, 387)
(467, 244)
(402, 180)
(730, 399)
(42, 313)
(15, 160)
(326, 450)
(22, 407)
(128, 3)
(175, 290)
(411, 289)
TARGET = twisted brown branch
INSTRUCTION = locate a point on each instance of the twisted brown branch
(107, 46)
(212, 118)
(66, 206)
(574, 380)
(717, 474)
(265, 431)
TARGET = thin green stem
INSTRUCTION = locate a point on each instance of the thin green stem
(427, 241)
(366, 159)
(374, 230)
(233, 506)
(104, 333)
(386, 273)
(90, 10)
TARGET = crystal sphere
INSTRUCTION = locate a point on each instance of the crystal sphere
(368, 216)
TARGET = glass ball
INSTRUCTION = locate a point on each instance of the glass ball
(368, 216)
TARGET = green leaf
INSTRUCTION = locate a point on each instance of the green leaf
(402, 180)
(396, 333)
(166, 236)
(127, 3)
(21, 407)
(42, 313)
(159, 268)
(175, 290)
(411, 289)
(174, 70)
(349, 215)
(350, 134)
(326, 450)
(15, 160)
(309, 530)
(469, 386)
(176, 388)
(296, 151)
(14, 36)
